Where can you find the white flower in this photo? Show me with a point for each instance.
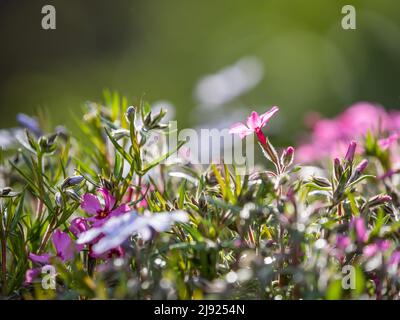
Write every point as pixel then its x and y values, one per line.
pixel 117 229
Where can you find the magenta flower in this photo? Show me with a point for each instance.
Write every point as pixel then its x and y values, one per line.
pixel 330 137
pixel 64 246
pixel 101 213
pixel 359 226
pixel 342 241
pixel 379 246
pixel 254 124
pixel 78 225
pixel 394 258
pixel 385 143
pixel 65 251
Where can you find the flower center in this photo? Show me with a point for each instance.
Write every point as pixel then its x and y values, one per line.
pixel 102 214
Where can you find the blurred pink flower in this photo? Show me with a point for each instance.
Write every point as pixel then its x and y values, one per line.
pixel 385 143
pixel 394 258
pixel 379 246
pixel 359 226
pixel 342 241
pixel 330 137
pixel 254 124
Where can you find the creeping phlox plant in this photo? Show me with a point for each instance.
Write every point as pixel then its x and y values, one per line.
pixel 103 211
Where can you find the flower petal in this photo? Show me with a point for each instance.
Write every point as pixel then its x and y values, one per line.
pixel 117 212
pixel 78 225
pixel 109 200
pixel 240 129
pixel 41 259
pixel 64 245
pixel 254 121
pixel 266 116
pixel 90 204
pixel 31 274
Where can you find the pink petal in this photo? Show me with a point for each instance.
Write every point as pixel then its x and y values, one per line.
pixel 90 204
pixel 31 274
pixel 254 121
pixel 387 142
pixel 342 242
pixel 370 250
pixel 64 245
pixel 41 259
pixel 241 129
pixel 120 210
pixel 266 116
pixel 78 225
pixel 109 200
pixel 117 212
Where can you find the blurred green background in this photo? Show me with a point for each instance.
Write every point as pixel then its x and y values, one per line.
pixel 161 49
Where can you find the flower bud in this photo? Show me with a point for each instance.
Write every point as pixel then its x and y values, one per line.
pixel 47 143
pixel 358 170
pixel 362 165
pixel 338 169
pixel 73 195
pixel 379 200
pixel 322 182
pixel 59 199
pixel 130 114
pixel 287 156
pixel 72 181
pixel 350 151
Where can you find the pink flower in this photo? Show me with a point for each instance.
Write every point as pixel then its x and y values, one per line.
pixel 361 231
pixel 65 251
pixel 379 246
pixel 254 124
pixel 101 213
pixel 102 209
pixel 31 275
pixel 385 143
pixel 78 225
pixel 330 137
pixel 342 242
pixel 395 258
pixel 64 246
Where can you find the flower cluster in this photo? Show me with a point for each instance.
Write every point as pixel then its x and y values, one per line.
pixel 330 137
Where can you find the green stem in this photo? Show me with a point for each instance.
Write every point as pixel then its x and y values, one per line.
pixel 4 265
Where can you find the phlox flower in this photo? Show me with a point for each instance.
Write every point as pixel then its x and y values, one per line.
pixel 65 251
pixel 330 137
pixel 254 124
pixel 102 208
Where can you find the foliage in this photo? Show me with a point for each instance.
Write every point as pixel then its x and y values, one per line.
pixel 281 234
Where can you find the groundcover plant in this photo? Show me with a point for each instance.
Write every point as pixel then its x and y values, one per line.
pixel 97 212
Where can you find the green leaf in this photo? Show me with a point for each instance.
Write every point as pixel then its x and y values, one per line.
pixel 334 290
pixel 163 157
